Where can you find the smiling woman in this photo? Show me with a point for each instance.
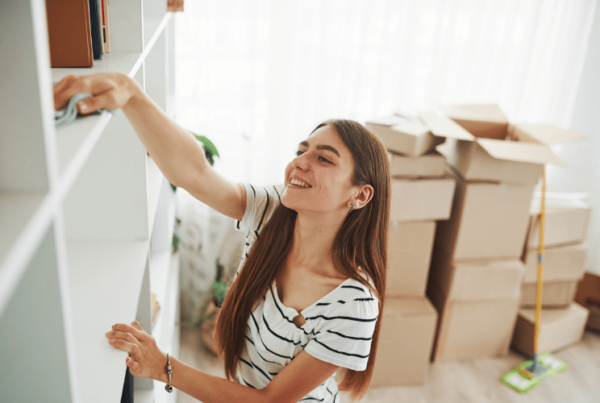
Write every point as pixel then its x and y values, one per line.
pixel 312 280
pixel 309 291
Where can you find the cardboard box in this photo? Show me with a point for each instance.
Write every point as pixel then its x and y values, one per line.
pixel 409 255
pixel 588 295
pixel 564 224
pixel 403 136
pixel 489 156
pixel 405 342
pixel 476 280
pixel 488 221
pixel 498 160
pixel 483 121
pixel 421 199
pixel 431 165
pixel 472 329
pixel 561 263
pixel 559 328
pixel 555 294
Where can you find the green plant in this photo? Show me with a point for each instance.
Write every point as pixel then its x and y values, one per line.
pixel 210 151
pixel 219 287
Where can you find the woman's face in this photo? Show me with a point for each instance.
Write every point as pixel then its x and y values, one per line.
pixel 325 164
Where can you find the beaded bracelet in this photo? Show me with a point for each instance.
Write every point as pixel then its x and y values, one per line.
pixel 168 386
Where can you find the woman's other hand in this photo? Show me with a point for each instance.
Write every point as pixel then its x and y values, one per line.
pixel 108 90
pixel 146 360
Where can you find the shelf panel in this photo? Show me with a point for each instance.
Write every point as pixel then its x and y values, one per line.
pixel 154 180
pixel 76 141
pixel 159 279
pixel 105 279
pixel 119 62
pixel 163 329
pixel 24 218
pixel 33 348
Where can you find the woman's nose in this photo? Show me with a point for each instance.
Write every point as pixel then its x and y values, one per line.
pixel 301 161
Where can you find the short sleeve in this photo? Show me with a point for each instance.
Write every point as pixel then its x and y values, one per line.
pixel 261 201
pixel 343 337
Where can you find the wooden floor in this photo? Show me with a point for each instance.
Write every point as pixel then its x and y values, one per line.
pixel 474 381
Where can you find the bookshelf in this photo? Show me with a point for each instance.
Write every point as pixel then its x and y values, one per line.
pixel 86 218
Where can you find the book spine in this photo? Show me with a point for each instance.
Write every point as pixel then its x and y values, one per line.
pixel 96 28
pixel 105 30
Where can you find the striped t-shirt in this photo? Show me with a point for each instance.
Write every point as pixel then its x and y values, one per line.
pixel 338 327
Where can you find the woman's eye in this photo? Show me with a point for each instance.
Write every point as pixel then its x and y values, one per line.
pixel 321 158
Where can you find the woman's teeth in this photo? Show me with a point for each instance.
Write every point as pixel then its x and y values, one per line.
pixel 299 183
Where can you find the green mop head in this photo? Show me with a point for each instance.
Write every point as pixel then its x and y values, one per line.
pixel 524 378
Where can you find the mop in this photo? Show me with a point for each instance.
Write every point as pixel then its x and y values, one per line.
pixel 529 374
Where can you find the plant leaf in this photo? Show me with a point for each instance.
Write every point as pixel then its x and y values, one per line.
pixel 208 144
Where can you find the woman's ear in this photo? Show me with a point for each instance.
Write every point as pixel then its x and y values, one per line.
pixel 363 196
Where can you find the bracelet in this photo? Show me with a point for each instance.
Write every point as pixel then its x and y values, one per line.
pixel 168 386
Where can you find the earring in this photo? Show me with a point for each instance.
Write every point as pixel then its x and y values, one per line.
pixel 351 208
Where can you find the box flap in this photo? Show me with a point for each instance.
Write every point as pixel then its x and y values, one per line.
pixel 413 128
pixel 387 120
pixel 551 315
pixel 519 151
pixel 443 127
pixel 544 134
pixel 480 113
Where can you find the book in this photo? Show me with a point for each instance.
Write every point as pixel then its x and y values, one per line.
pixel 96 27
pixel 105 30
pixel 69 33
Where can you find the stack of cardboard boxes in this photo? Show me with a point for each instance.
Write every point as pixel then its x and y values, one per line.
pixel 476 272
pixel 562 321
pixel 422 193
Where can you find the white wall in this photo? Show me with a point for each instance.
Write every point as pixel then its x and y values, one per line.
pixel 582 173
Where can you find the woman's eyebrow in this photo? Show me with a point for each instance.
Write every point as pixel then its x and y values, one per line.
pixel 322 147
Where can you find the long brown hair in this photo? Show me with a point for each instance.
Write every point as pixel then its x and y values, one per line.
pixel 360 241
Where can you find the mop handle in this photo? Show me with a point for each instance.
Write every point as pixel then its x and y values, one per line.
pixel 540 265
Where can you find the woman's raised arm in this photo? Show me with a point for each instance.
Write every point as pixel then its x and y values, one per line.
pixel 176 152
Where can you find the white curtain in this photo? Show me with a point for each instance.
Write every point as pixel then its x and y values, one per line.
pixel 256 76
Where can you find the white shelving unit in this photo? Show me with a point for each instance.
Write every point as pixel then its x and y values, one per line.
pixel 86 218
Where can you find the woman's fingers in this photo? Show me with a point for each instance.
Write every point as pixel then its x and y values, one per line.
pixel 134 366
pixel 122 327
pixel 146 359
pixel 137 325
pixel 108 90
pixel 107 100
pixel 128 347
pixel 126 336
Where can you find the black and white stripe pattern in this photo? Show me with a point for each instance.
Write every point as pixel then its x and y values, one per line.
pixel 338 329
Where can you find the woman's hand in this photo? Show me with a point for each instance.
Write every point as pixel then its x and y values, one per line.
pixel 108 90
pixel 146 360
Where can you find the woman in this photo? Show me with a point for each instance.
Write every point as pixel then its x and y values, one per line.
pixel 311 284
